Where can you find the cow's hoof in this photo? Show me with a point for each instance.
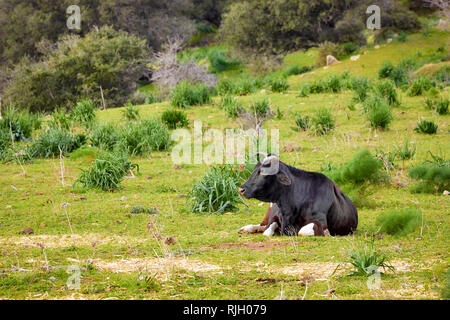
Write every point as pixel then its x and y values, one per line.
pixel 270 231
pixel 326 233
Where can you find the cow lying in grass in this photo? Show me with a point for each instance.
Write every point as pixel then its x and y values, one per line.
pixel 303 203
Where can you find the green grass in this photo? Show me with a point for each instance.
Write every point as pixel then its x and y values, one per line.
pixel 210 260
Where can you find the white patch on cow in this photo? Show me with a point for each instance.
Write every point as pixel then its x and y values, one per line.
pixel 271 204
pixel 307 230
pixel 270 231
pixel 251 228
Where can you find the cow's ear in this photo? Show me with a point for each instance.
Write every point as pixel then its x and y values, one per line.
pixel 284 179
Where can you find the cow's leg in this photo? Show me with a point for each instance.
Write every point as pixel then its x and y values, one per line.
pixel 307 230
pixel 270 231
pixel 252 228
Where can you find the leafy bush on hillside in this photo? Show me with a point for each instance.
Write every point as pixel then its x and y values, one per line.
pixel 386 89
pixel 260 108
pixel 329 48
pixel 296 69
pixel 174 119
pixel 279 85
pixel 105 137
pixel 420 86
pixel 433 176
pixel 399 222
pixel 84 112
pixel 107 171
pixel 145 136
pixel 55 141
pixel 185 95
pixel 60 119
pixel 360 86
pixel 439 105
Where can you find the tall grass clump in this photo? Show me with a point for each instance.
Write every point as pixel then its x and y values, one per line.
pixel 55 141
pixel 360 86
pixel 432 176
pixel 380 116
pixel 419 86
pixel 399 222
pixel 216 192
pixel 323 121
pixel 438 105
pixel 145 136
pixel 186 94
pixel 174 119
pixel 84 113
pixel 151 98
pixel 406 151
pixel 386 70
pixel 130 113
pixel 279 85
pixel 296 69
pixel 231 106
pixel 426 126
pixel 225 86
pixel 107 171
pixel 261 108
pixel 60 119
pixel 19 124
pixel 105 137
pixel 302 122
pixel 386 89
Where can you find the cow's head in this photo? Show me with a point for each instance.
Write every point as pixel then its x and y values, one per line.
pixel 269 179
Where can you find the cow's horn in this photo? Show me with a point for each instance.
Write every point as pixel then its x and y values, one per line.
pixel 268 159
pixel 261 153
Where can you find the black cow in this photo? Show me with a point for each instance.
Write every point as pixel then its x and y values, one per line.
pixel 303 198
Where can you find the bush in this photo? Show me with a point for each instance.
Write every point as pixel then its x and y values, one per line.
pixel 55 141
pixel 304 90
pixel 131 113
pixel 225 86
pixel 303 123
pixel 432 177
pixel 151 98
pixel 231 106
pixel 105 137
pixel 379 115
pixel 399 223
pixel 362 168
pixel 349 47
pixel 19 125
pixel 295 70
pixel 145 136
pixel 107 171
pixel 186 94
pixel 333 83
pixel 386 89
pixel 402 36
pixel 60 119
pixel 386 70
pixel 279 85
pixel 360 86
pixel 174 119
pixel 216 192
pixel 84 113
pixel 79 67
pixel 426 126
pixel 441 106
pixel 260 108
pixel 420 86
pixel 323 121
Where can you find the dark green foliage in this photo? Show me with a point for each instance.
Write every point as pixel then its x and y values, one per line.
pixel 426 126
pixel 145 136
pixel 443 74
pixel 360 86
pixel 349 47
pixel 380 116
pixel 141 209
pixel 217 191
pixel 399 222
pixel 107 171
pixel 420 86
pixel 386 70
pixel 55 141
pixel 323 121
pixel 5 142
pixel 386 89
pixel 438 105
pixel 279 85
pixel 105 137
pixel 186 94
pixel 225 86
pixel 362 168
pixel 219 61
pixel 433 177
pixel 78 67
pixel 296 69
pixel 402 36
pixel 84 113
pixel 174 119
pixel 131 113
pixel 260 108
pixel 303 91
pixel 19 124
pixel 397 74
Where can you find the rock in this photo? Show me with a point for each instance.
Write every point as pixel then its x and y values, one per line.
pixel 389 40
pixel 38 193
pixel 446 192
pixel 170 240
pixel 329 292
pixel 331 60
pixel 377 46
pixel 354 58
pixel 52 278
pixel 290 148
pixel 27 231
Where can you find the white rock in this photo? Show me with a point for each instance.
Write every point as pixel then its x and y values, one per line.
pixel 354 58
pixel 331 60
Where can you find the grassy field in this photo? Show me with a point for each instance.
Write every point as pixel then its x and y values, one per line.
pixel 120 256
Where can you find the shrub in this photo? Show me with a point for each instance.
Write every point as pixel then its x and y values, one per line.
pixel 386 70
pixel 432 177
pixel 105 137
pixel 231 106
pixel 380 116
pixel 60 119
pixel 5 141
pixel 261 108
pixel 19 124
pixel 84 112
pixel 360 86
pixel 367 260
pixel 304 90
pixel 279 85
pixel 303 123
pixel 349 47
pixel 174 119
pixel 426 126
pixel 402 36
pixel 55 141
pixel 406 151
pixel 225 86
pixel 441 106
pixel 399 223
pixel 151 98
pixel 323 121
pixel 216 192
pixel 186 94
pixel 131 113
pixel 107 171
pixel 295 70
pixel 363 167
pixel 145 136
pixel 419 86
pixel 386 89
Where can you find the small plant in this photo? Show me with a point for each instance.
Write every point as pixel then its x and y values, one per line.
pixel 303 91
pixel 174 119
pixel 60 119
pixel 380 116
pixel 231 106
pixel 105 137
pixel 131 113
pixel 140 209
pixel 107 171
pixel 279 85
pixel 323 121
pixel 386 89
pixel 333 83
pixel 216 192
pixel 406 151
pixel 225 87
pixel 151 98
pixel 261 108
pixel 19 125
pixel 387 159
pixel 145 136
pixel 402 36
pixel 186 94
pixel 84 113
pixel 55 141
pixel 386 70
pixel 426 126
pixel 433 176
pixel 279 114
pixel 420 86
pixel 360 86
pixel 400 222
pixel 303 123
pixel 367 260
